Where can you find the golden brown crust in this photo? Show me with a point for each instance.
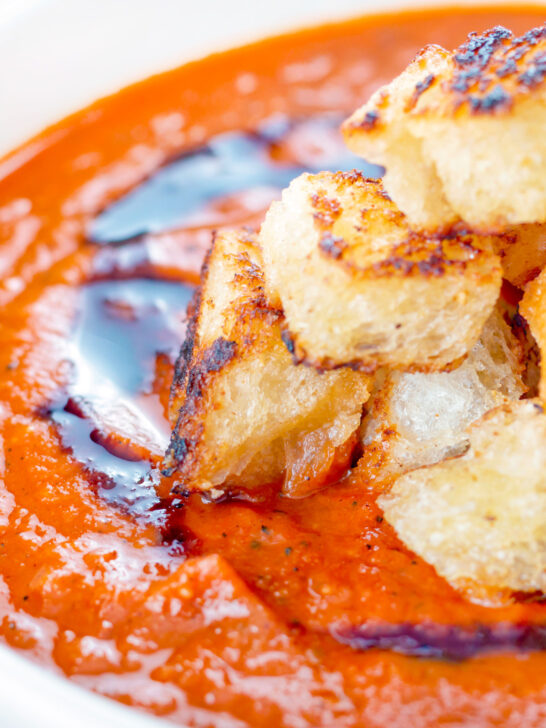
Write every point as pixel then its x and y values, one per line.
pixel 533 308
pixel 461 134
pixel 240 408
pixel 413 254
pixel 252 306
pixel 485 75
pixel 427 71
pixel 522 250
pixel 199 364
pixel 359 288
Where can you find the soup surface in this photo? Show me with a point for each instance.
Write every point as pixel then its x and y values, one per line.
pixel 278 612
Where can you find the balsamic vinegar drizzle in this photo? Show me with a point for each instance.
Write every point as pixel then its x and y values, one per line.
pixel 182 192
pixel 440 641
pixel 121 328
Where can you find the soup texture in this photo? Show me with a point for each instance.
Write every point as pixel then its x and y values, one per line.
pixel 274 611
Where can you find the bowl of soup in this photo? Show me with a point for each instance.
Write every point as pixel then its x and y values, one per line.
pixel 133 132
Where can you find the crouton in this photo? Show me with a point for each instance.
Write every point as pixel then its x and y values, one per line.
pixel 533 308
pixel 522 250
pixel 480 519
pixel 359 288
pixel 461 134
pixel 421 419
pixel 242 411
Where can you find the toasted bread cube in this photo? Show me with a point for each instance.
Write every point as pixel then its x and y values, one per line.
pixel 359 288
pixel 480 519
pixel 522 250
pixel 461 134
pixel 420 419
pixel 533 308
pixel 241 409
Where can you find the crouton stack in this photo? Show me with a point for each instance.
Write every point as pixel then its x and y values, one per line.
pixel 371 317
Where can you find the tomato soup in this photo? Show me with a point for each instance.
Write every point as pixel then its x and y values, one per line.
pixel 271 612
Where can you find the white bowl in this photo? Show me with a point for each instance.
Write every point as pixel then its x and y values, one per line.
pixel 109 44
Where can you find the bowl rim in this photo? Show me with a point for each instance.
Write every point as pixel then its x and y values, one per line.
pixel 31 694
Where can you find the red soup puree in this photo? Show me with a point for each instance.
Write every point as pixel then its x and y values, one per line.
pixel 277 612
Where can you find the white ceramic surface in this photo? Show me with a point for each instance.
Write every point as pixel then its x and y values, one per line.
pixel 57 56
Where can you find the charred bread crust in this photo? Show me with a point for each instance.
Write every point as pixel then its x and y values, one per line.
pixel 184 357
pixel 461 133
pixel 339 255
pixel 196 370
pixel 485 75
pixel 415 254
pixel 241 410
pixel 188 428
pixel 492 69
pixel 533 308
